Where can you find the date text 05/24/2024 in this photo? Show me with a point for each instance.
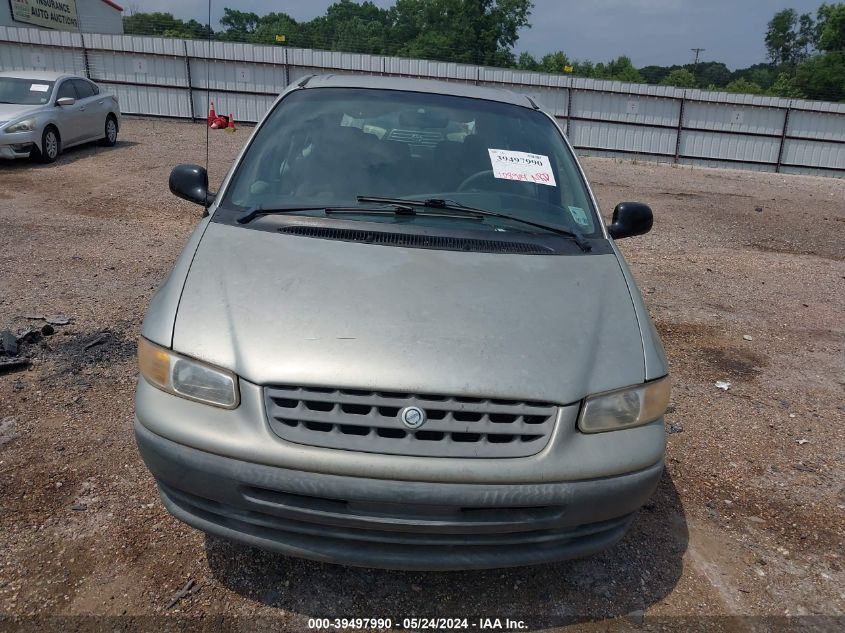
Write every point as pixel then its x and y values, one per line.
pixel 418 624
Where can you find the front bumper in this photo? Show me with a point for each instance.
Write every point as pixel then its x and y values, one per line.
pixel 19 144
pixel 17 150
pixel 389 523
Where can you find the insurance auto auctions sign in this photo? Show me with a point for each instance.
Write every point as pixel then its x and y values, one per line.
pixel 48 14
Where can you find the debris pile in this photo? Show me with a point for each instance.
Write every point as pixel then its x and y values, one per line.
pixel 12 344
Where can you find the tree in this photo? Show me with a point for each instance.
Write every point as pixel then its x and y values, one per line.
pixel 806 38
pixel 619 69
pixel 164 25
pixel 655 74
pixel 744 86
pixel 785 86
pixel 476 31
pixel 830 29
pixel 789 37
pixel 238 25
pixel 554 63
pixel 780 36
pixel 823 77
pixel 584 68
pixel 526 61
pixel 715 73
pixel 273 24
pixel 763 75
pixel 349 26
pixel 680 78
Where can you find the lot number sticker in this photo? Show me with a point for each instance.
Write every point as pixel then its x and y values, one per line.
pixel 508 165
pixel 39 88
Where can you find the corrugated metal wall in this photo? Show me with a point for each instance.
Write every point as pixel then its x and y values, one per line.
pixel 175 78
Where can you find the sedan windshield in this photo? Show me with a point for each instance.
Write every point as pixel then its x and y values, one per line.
pixel 24 91
pixel 325 147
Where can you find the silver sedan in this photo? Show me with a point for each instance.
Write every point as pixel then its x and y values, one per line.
pixel 44 113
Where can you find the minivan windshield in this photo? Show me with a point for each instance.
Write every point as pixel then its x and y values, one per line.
pixel 24 91
pixel 324 147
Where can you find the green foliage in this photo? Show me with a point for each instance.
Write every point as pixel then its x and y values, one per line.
pixel 481 31
pixel 744 86
pixel 239 26
pixel 786 86
pixel 764 75
pixel 273 24
pixel 619 69
pixel 164 25
pixel 584 68
pixel 655 74
pixel 527 61
pixel 554 63
pixel 781 37
pixel 830 28
pixel 790 38
pixel 680 78
pixel 823 77
pixel 715 73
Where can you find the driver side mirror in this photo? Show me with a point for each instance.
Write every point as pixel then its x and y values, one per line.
pixel 65 101
pixel 190 182
pixel 629 219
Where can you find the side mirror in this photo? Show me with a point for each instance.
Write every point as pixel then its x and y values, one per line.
pixel 190 182
pixel 65 101
pixel 629 219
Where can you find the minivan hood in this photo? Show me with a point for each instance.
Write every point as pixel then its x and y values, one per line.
pixel 284 309
pixel 11 111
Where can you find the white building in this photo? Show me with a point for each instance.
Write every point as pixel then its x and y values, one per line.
pixel 87 16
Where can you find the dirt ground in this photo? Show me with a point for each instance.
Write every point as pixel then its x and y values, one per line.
pixel 744 274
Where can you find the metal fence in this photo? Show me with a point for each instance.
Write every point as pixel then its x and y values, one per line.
pixel 175 78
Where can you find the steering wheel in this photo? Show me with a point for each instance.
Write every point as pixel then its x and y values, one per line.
pixel 485 173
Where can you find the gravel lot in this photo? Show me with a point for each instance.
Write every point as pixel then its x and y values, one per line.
pixel 744 274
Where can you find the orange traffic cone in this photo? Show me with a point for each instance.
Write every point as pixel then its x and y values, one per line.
pixel 212 115
pixel 231 127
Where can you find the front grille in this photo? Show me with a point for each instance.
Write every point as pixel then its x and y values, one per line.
pixel 370 422
pixel 412 240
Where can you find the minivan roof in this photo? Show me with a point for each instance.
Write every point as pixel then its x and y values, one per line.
pixel 412 84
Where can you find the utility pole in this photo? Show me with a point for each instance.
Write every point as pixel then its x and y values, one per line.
pixel 697 52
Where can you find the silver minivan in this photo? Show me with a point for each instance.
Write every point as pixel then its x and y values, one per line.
pixel 402 337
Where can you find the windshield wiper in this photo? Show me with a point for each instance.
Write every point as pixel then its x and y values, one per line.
pixel 253 212
pixel 389 208
pixel 452 205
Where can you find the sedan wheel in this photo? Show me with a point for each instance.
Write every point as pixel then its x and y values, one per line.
pixel 110 137
pixel 49 146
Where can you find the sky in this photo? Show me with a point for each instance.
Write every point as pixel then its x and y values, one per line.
pixel 659 32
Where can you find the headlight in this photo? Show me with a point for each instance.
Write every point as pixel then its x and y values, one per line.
pixel 27 125
pixel 187 377
pixel 625 408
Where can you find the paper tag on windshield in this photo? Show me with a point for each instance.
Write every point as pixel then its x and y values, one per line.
pixel 509 165
pixel 39 88
pixel 579 216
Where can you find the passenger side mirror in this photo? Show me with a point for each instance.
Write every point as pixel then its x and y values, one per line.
pixel 629 219
pixel 190 182
pixel 65 101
